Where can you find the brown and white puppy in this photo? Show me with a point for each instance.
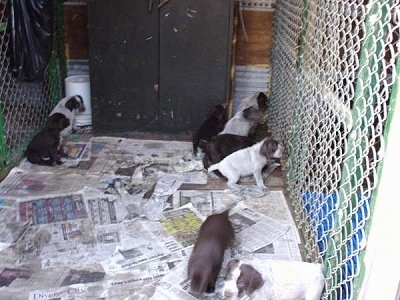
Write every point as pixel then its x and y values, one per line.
pixel 243 122
pixel 273 279
pixel 215 235
pixel 257 100
pixel 220 146
pixel 248 161
pixel 45 146
pixel 214 123
pixel 239 278
pixel 69 107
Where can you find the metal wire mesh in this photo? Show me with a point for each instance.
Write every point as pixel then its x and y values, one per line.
pixel 332 74
pixel 287 23
pixel 24 106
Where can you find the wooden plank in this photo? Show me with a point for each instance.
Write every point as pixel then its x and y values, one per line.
pixel 75 30
pixel 257 50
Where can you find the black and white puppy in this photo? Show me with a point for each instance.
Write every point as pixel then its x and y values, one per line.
pixel 257 100
pixel 215 235
pixel 69 107
pixel 45 146
pixel 248 161
pixel 273 279
pixel 243 122
pixel 214 123
pixel 220 146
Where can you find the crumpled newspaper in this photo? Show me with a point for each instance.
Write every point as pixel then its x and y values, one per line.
pixel 186 163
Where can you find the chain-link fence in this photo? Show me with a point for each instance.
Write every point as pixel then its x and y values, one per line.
pixel 333 70
pixel 25 105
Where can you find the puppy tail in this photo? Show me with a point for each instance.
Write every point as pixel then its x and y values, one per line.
pixel 212 168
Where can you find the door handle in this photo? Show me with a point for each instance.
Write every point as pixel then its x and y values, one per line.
pixel 149 5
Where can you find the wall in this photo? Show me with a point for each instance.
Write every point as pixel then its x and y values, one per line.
pixel 252 49
pixel 76 37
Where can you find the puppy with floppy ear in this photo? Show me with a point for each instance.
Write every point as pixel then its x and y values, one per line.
pixel 249 279
pixel 259 101
pixel 44 147
pixel 273 279
pixel 243 122
pixel 240 278
pixel 69 107
pixel 214 123
pixel 248 161
pixel 215 235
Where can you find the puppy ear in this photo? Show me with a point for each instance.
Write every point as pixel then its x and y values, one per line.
pixel 62 122
pixel 203 144
pixel 218 112
pixel 71 103
pixel 247 112
pixel 262 101
pixel 53 121
pixel 249 280
pixel 65 123
pixel 268 148
pixel 252 114
pixel 232 264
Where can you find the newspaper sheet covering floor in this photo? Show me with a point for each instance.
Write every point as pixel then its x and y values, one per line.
pixel 113 222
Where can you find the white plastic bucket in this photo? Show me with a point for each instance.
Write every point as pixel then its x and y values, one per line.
pixel 80 85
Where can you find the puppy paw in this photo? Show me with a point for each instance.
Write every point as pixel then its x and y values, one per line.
pixel 238 189
pixel 262 191
pixel 210 289
pixel 62 152
pixel 253 191
pixel 250 191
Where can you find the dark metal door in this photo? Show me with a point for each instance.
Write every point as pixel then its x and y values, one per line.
pixel 195 60
pixel 123 51
pixel 158 69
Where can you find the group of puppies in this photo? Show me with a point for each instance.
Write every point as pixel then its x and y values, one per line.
pixel 259 280
pixel 228 146
pixel 45 147
pixel 229 149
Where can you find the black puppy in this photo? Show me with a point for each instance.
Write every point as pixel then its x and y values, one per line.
pixel 222 145
pixel 214 124
pixel 44 147
pixel 215 235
